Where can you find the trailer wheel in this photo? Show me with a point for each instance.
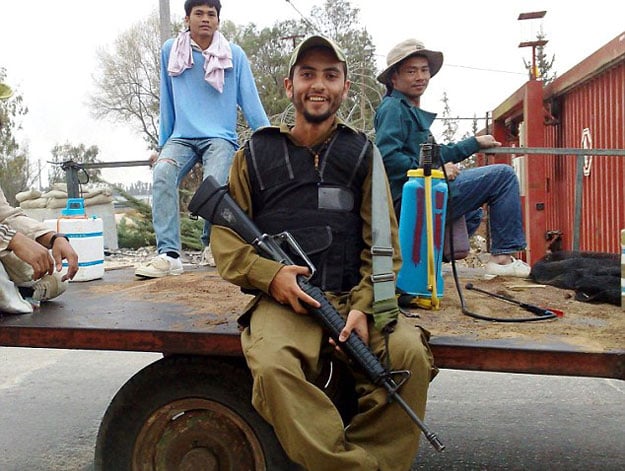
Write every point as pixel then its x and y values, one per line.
pixel 187 413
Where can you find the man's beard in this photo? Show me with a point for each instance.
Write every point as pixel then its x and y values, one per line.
pixel 317 118
pixel 314 118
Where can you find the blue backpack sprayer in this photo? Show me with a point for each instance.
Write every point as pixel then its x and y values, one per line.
pixel 422 239
pixel 422 232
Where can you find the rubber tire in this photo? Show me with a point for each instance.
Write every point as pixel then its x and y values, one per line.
pixel 148 394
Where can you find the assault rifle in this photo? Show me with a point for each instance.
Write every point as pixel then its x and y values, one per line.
pixel 214 203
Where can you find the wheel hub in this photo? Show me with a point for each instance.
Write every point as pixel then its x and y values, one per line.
pixel 195 433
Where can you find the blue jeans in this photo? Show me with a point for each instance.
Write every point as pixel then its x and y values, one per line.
pixel 498 187
pixel 472 219
pixel 175 161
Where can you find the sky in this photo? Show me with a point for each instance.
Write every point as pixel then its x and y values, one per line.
pixel 49 50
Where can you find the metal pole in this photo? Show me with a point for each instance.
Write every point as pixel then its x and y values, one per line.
pixel 579 193
pixel 165 18
pixel 552 151
pixel 71 176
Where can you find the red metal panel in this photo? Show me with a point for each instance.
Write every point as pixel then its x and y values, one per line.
pixel 598 105
pixel 591 95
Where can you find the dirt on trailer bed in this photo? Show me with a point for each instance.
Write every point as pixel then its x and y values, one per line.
pixel 591 327
pixel 201 290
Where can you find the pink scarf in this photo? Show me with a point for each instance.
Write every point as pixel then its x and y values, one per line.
pixel 217 58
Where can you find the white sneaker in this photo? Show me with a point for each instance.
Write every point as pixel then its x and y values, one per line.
pixel 160 266
pixel 48 287
pixel 207 258
pixel 518 268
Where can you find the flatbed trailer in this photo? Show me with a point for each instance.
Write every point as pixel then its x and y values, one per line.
pixel 191 409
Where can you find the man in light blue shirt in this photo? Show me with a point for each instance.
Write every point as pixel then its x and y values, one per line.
pixel 204 81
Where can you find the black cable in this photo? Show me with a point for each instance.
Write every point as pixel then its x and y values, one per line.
pixel 454 270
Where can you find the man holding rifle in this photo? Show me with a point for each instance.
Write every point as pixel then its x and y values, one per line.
pixel 315 181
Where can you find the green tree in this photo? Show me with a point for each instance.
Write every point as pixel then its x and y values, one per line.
pixel 268 50
pixel 471 161
pixel 450 124
pixel 337 19
pixel 127 80
pixel 76 153
pixel 15 170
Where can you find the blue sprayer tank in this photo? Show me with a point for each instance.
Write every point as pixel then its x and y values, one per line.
pixel 413 237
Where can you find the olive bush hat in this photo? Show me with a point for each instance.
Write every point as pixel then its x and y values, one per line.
pixel 5 91
pixel 316 41
pixel 405 49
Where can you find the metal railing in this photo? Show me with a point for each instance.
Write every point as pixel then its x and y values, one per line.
pixel 552 151
pixel 72 168
pixel 573 151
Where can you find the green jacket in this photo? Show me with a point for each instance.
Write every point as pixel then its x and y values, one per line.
pixel 401 128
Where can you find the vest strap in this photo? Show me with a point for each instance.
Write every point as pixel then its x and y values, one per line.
pixel 385 307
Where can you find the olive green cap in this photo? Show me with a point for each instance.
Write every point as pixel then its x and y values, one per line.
pixel 316 41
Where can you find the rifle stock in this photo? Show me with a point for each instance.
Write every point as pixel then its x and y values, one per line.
pixel 214 203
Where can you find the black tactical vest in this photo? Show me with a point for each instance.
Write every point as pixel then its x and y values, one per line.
pixel 319 206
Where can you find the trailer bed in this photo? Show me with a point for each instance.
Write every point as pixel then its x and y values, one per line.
pixel 120 312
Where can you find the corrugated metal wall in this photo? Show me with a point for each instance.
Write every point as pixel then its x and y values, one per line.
pixel 595 109
pixel 588 100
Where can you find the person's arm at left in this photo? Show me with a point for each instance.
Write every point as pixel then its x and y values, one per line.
pixel 36 253
pixel 29 240
pixel 32 253
pixel 61 250
pixel 247 93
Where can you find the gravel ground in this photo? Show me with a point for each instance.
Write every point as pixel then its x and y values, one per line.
pixel 123 258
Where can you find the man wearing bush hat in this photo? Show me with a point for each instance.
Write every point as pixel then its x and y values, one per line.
pixel 408 48
pixel 402 126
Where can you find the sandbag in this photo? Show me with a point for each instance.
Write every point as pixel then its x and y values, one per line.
pixel 98 199
pixel 27 195
pixel 60 186
pixel 36 203
pixel 55 203
pixel 58 194
pixel 97 192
